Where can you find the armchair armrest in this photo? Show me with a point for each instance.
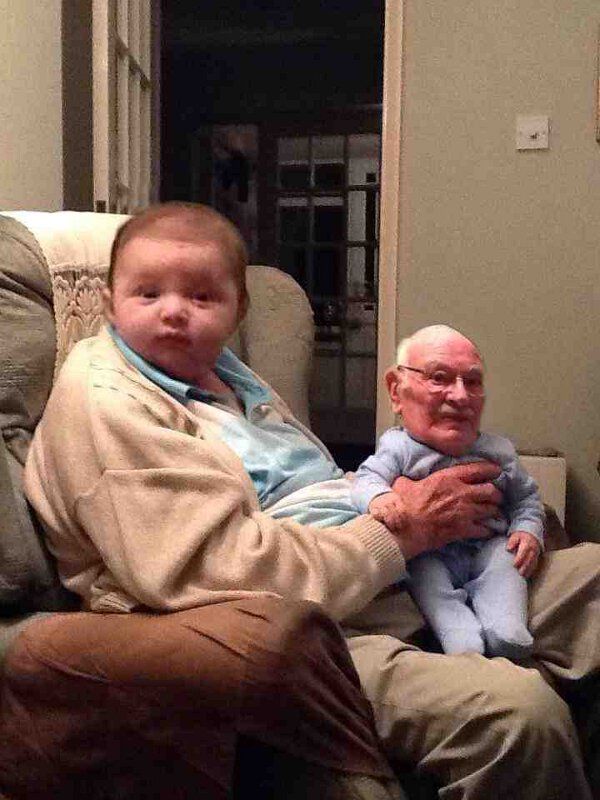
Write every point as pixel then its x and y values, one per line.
pixel 556 537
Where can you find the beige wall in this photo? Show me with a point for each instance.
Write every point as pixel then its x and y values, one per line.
pixel 503 244
pixel 31 105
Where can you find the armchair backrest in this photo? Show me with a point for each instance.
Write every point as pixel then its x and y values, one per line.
pixel 53 267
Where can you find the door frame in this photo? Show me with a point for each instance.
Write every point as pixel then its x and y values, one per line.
pixel 390 209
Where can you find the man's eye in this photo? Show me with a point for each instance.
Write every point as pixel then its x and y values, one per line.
pixel 473 381
pixel 441 378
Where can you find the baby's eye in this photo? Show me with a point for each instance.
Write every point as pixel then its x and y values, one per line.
pixel 148 294
pixel 201 297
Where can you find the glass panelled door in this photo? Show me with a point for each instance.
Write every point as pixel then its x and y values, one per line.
pixel 327 210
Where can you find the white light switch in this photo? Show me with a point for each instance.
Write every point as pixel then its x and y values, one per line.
pixel 532 133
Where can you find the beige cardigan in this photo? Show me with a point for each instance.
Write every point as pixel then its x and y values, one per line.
pixel 144 506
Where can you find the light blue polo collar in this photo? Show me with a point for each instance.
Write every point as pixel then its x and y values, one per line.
pixel 228 367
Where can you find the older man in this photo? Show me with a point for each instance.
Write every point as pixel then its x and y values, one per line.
pixel 466 719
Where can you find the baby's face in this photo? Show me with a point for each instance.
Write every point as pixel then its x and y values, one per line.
pixel 441 408
pixel 175 302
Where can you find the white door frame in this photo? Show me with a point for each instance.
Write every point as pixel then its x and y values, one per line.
pixel 125 97
pixel 389 232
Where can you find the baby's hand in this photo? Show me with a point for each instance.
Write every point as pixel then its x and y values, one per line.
pixel 388 508
pixel 528 551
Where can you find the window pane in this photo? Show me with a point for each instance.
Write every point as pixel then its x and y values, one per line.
pixel 293 223
pixel 329 176
pixel 326 271
pixel 328 315
pixel 134 139
pixel 326 381
pixel 294 176
pixel 134 29
pixel 145 146
pixel 362 216
pixel 123 21
pixel 293 261
pixel 294 170
pixel 328 148
pixel 292 150
pixel 363 158
pixel 328 219
pixel 356 216
pixel 123 120
pixel 361 335
pixel 361 376
pixel 356 271
pixel 361 270
pixel 145 37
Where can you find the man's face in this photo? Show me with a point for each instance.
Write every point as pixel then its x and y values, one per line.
pixel 443 407
pixel 175 302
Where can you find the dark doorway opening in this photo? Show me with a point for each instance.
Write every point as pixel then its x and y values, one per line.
pixel 245 87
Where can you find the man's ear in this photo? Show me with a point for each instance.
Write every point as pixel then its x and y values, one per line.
pixel 107 304
pixel 394 386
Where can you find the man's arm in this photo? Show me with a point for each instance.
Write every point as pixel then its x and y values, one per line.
pixel 136 501
pixel 174 519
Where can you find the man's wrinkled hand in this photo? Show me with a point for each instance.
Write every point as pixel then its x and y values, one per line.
pixel 448 505
pixel 388 508
pixel 527 551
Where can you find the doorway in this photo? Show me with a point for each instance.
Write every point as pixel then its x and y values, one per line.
pixel 302 85
pixel 320 224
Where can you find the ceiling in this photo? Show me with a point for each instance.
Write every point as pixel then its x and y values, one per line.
pixel 191 24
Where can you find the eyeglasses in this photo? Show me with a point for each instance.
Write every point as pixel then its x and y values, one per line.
pixel 440 380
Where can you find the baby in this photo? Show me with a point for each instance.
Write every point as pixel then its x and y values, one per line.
pixel 472 592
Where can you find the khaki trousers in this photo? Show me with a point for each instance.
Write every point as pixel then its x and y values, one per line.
pixel 144 706
pixel 485 728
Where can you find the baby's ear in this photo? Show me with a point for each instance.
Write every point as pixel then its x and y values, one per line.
pixel 107 304
pixel 243 306
pixel 393 382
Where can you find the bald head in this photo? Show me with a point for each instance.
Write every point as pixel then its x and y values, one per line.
pixel 430 336
pixel 437 386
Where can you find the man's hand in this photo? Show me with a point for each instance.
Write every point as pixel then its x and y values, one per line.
pixel 447 505
pixel 527 553
pixel 389 509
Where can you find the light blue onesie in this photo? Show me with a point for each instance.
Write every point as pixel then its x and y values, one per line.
pixel 469 591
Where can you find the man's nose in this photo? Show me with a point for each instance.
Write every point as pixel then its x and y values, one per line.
pixel 457 391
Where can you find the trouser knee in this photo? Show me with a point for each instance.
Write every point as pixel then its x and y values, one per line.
pixel 528 710
pixel 297 632
pixel 305 687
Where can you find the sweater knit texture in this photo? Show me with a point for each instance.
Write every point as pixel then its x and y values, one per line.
pixel 144 506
